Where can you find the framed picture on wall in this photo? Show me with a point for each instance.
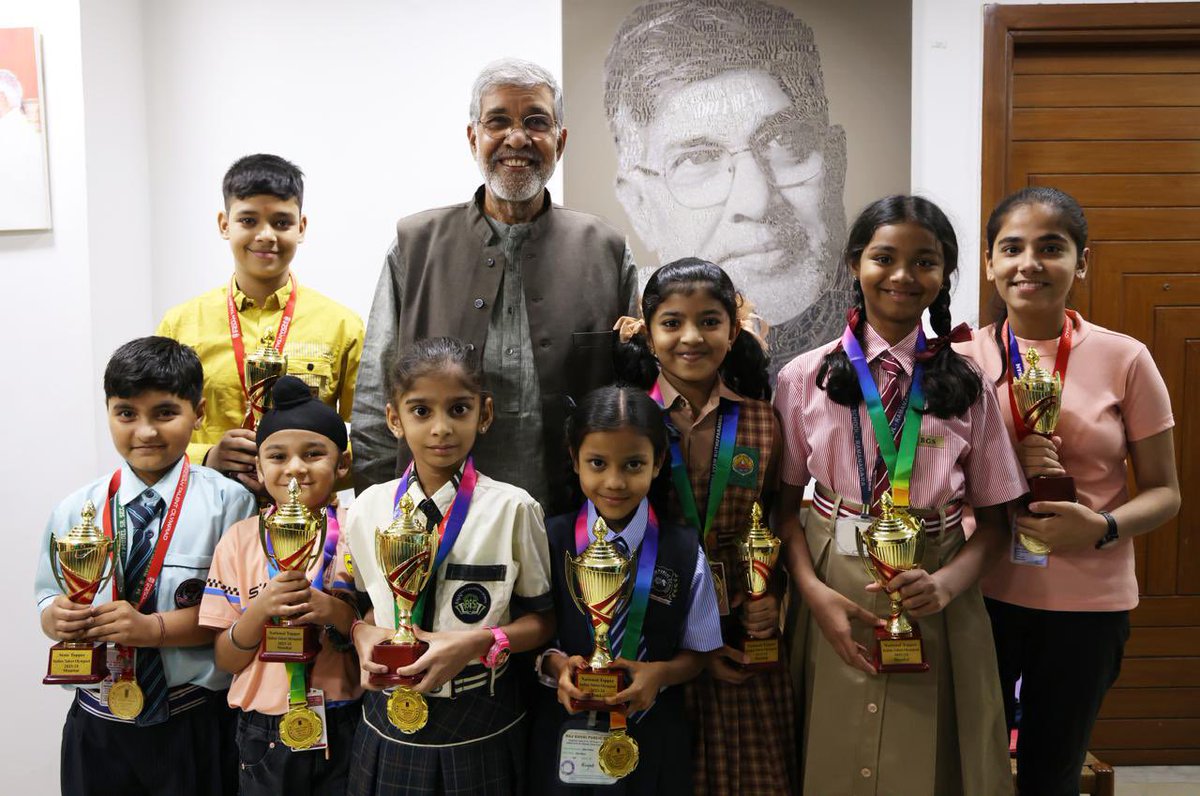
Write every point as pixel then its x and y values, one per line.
pixel 24 178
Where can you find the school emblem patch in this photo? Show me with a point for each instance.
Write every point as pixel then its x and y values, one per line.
pixel 471 603
pixel 744 468
pixel 189 593
pixel 664 586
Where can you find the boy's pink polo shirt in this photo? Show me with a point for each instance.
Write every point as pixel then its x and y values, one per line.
pixel 239 571
pixel 1113 395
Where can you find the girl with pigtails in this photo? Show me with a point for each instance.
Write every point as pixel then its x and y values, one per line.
pixel 942 447
pixel 698 350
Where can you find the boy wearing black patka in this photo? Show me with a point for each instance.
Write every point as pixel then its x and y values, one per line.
pixel 165 516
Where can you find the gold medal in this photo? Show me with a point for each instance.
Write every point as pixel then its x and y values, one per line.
pixel 618 754
pixel 407 710
pixel 1035 546
pixel 125 699
pixel 300 728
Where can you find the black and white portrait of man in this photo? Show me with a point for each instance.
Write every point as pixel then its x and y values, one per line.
pixel 718 114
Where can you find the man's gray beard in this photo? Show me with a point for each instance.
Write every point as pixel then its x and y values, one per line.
pixel 519 189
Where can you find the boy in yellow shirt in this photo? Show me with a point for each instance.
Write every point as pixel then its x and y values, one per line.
pixel 264 223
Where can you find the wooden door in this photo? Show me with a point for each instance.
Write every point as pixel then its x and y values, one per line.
pixel 1104 103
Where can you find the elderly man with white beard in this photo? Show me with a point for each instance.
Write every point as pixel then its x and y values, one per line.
pixel 532 287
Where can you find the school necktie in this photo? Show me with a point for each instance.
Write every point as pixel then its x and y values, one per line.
pixel 433 516
pixel 616 632
pixel 150 675
pixel 889 395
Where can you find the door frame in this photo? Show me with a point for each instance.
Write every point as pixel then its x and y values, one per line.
pixel 1004 26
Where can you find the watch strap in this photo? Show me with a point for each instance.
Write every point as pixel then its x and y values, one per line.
pixel 1111 534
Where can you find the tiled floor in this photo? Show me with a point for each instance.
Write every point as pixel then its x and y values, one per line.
pixel 1158 780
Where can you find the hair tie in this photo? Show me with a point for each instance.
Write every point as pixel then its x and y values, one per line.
pixel 751 322
pixel 627 328
pixel 959 334
pixel 853 317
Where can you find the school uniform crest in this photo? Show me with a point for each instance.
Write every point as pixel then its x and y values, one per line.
pixel 189 593
pixel 744 467
pixel 471 603
pixel 664 586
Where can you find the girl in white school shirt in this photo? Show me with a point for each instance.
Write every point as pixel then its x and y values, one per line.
pixel 492 559
pixel 935 732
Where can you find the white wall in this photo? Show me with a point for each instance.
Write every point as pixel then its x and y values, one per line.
pixel 947 100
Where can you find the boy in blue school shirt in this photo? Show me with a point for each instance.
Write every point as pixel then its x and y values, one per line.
pixel 181 741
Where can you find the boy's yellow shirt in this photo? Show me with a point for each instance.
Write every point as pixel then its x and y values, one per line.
pixel 324 345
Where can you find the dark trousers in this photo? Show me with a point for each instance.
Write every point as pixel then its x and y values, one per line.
pixel 267 767
pixel 180 757
pixel 1067 660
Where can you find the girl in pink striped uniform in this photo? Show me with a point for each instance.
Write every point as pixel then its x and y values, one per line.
pixel 940 731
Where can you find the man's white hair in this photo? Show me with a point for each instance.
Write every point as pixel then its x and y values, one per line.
pixel 514 72
pixel 10 87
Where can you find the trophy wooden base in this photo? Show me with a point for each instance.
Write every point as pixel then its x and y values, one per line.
pixel 285 643
pixel 396 656
pixel 600 683
pixel 1052 487
pixel 762 652
pixel 899 654
pixel 77 663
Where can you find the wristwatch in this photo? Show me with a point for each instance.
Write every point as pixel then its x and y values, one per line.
pixel 498 653
pixel 1110 535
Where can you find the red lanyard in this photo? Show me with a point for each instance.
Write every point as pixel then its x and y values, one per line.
pixel 1060 366
pixel 165 532
pixel 235 330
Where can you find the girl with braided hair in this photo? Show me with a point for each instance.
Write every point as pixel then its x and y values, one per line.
pixel 941 446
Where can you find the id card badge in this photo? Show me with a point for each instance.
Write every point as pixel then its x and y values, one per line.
pixel 721 585
pixel 1019 555
pixel 579 753
pixel 846 533
pixel 316 703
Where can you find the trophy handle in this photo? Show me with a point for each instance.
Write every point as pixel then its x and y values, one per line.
pixel 54 566
pixel 109 567
pixel 267 549
pixel 319 548
pixel 865 557
pixel 572 586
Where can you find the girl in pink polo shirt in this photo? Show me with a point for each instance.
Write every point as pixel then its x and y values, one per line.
pixel 1060 620
pixel 939 731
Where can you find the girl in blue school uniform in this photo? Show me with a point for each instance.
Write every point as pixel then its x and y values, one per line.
pixel 662 634
pixel 489 595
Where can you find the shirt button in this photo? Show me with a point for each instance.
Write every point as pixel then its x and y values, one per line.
pixel 872 708
pixel 470 346
pixel 510 351
pixel 480 303
pixel 545 344
pixel 866 772
pixel 491 262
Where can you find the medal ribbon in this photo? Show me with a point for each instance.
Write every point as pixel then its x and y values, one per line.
pixel 899 463
pixel 235 331
pixel 448 529
pixel 722 466
pixel 1017 366
pixel 647 556
pixel 165 532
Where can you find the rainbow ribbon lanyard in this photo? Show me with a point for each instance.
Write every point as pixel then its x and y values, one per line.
pixel 722 466
pixel 298 672
pixel 899 463
pixel 647 557
pixel 1017 369
pixel 448 530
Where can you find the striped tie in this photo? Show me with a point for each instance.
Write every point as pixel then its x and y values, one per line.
pixel 889 395
pixel 616 632
pixel 150 674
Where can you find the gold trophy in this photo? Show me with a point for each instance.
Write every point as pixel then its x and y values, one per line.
pixel 292 538
pixel 81 563
pixel 264 366
pixel 406 554
pixel 894 543
pixel 600 581
pixel 758 551
pixel 1038 394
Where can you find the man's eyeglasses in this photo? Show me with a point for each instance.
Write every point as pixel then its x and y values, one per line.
pixel 537 126
pixel 788 151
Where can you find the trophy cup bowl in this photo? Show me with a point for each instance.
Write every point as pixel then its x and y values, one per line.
pixel 758 552
pixel 292 539
pixel 1038 395
pixel 263 368
pixel 406 554
pixel 81 562
pixel 599 580
pixel 894 543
